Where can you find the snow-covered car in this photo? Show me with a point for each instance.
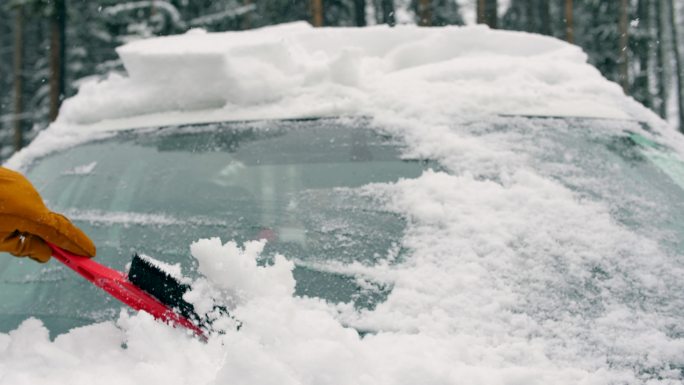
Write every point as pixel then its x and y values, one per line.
pixel 392 205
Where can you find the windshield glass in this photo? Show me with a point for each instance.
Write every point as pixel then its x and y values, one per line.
pixel 293 183
pixel 640 183
pixel 300 184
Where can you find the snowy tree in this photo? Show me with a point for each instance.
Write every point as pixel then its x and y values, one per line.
pixel 385 12
pixel 630 42
pixel 339 13
pixel 641 43
pixel 678 65
pixel 142 19
pixel 437 12
pixel 487 12
pixel 30 73
pixel 528 15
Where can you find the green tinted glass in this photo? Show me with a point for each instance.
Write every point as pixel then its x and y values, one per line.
pixel 155 192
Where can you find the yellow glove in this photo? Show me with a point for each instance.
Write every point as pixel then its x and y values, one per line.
pixel 26 224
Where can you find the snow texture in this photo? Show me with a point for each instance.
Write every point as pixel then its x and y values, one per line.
pixel 294 70
pixel 494 245
pixel 173 270
pixel 85 169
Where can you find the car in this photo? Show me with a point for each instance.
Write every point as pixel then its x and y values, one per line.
pixel 494 204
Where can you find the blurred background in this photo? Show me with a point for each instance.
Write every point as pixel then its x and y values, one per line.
pixel 49 47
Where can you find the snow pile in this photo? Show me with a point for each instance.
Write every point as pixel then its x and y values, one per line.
pixel 299 70
pixel 293 70
pixel 434 332
pixel 235 275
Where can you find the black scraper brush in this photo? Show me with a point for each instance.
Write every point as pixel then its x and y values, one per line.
pixel 146 287
pixel 162 286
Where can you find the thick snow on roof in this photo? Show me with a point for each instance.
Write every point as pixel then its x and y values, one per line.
pixel 445 74
pixel 294 70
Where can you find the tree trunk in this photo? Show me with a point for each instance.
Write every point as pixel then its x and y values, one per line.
pixel 360 13
pixel 57 53
pixel 531 16
pixel 18 77
pixel 317 13
pixel 569 22
pixel 387 12
pixel 660 60
pixel 641 89
pixel 678 64
pixel 545 15
pixel 425 13
pixel 623 69
pixel 246 22
pixel 487 12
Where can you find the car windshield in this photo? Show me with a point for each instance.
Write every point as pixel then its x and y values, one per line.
pixel 610 161
pixel 297 184
pixel 303 186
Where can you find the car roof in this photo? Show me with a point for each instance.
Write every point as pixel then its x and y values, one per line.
pixel 294 70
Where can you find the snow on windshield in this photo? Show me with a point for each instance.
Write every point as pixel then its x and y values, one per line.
pixel 495 245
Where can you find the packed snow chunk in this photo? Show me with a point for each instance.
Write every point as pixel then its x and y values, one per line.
pixel 235 271
pixel 295 70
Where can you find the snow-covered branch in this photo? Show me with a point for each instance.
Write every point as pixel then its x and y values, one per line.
pixel 216 17
pixel 167 7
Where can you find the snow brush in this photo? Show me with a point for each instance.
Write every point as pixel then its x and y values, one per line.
pixel 146 288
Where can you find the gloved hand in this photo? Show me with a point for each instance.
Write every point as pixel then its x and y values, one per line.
pixel 26 224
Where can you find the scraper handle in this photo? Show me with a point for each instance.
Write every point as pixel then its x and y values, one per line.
pixel 118 286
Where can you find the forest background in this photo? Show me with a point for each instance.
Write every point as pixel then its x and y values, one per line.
pixel 49 47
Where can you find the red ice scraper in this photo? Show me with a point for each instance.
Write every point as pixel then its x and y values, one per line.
pixel 127 288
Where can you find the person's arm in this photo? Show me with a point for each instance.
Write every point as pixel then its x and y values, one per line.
pixel 26 224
